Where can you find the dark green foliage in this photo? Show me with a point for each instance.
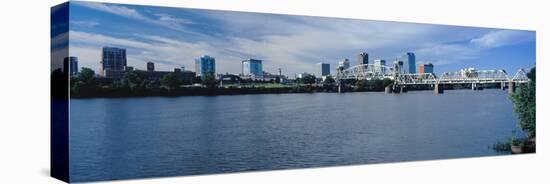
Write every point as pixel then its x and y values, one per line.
pixel 514 141
pixel 134 80
pixel 329 81
pixel 86 75
pixel 209 81
pixel 84 83
pixel 329 84
pixel 372 85
pixel 170 81
pixel 532 74
pixel 308 79
pixel 525 104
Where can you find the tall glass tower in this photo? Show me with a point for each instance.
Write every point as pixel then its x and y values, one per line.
pixel 324 70
pixel 252 67
pixel 362 58
pixel 113 59
pixel 205 66
pixel 409 62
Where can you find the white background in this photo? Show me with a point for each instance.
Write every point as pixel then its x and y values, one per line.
pixel 24 94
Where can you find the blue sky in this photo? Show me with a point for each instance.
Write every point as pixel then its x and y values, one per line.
pixel 174 37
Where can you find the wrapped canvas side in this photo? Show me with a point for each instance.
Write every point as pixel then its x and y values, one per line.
pixel 59 97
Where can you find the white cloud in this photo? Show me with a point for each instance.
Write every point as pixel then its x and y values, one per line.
pixel 87 23
pixel 447 53
pixel 163 20
pixel 167 53
pixel 293 43
pixel 442 53
pixel 502 38
pixel 300 42
pixel 170 19
pixel 115 9
pixel 98 39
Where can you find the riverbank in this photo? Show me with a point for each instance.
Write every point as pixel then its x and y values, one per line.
pixel 191 91
pixel 203 91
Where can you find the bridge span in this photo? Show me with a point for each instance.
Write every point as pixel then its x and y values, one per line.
pixel 475 78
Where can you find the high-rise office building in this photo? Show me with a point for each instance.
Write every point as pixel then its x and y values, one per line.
pixel 204 66
pixel 426 68
pixel 150 66
pixel 252 68
pixel 70 65
pixel 379 65
pixel 113 62
pixel 362 58
pixel 409 62
pixel 324 69
pixel 398 66
pixel 344 64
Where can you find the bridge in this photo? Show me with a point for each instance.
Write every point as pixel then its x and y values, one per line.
pixel 476 78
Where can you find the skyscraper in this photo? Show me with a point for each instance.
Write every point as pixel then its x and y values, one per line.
pixel 426 68
pixel 150 66
pixel 252 68
pixel 205 66
pixel 398 66
pixel 409 62
pixel 113 61
pixel 344 64
pixel 70 65
pixel 324 69
pixel 379 65
pixel 362 58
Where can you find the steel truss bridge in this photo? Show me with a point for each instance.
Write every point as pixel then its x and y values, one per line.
pixel 465 76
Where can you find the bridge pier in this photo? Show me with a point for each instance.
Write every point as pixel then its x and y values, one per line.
pixel 438 89
pixel 403 89
pixel 511 87
pixel 388 89
pixel 503 86
pixel 396 88
pixel 476 86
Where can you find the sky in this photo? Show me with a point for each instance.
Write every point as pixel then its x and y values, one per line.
pixel 174 37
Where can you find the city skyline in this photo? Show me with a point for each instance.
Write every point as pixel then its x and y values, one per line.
pixel 294 43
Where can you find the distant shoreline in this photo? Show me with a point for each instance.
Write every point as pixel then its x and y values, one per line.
pixel 200 91
pixel 197 91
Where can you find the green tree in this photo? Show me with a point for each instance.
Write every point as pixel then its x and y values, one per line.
pixel 86 75
pixel 170 81
pixel 134 79
pixel 362 85
pixel 84 83
pixel 525 104
pixel 372 85
pixel 386 82
pixel 307 79
pixel 329 81
pixel 209 80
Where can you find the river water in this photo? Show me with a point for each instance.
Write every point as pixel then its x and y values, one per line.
pixel 124 138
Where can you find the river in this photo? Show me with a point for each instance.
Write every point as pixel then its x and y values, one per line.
pixel 124 138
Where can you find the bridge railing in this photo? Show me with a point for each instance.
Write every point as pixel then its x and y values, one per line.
pixel 366 72
pixel 416 78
